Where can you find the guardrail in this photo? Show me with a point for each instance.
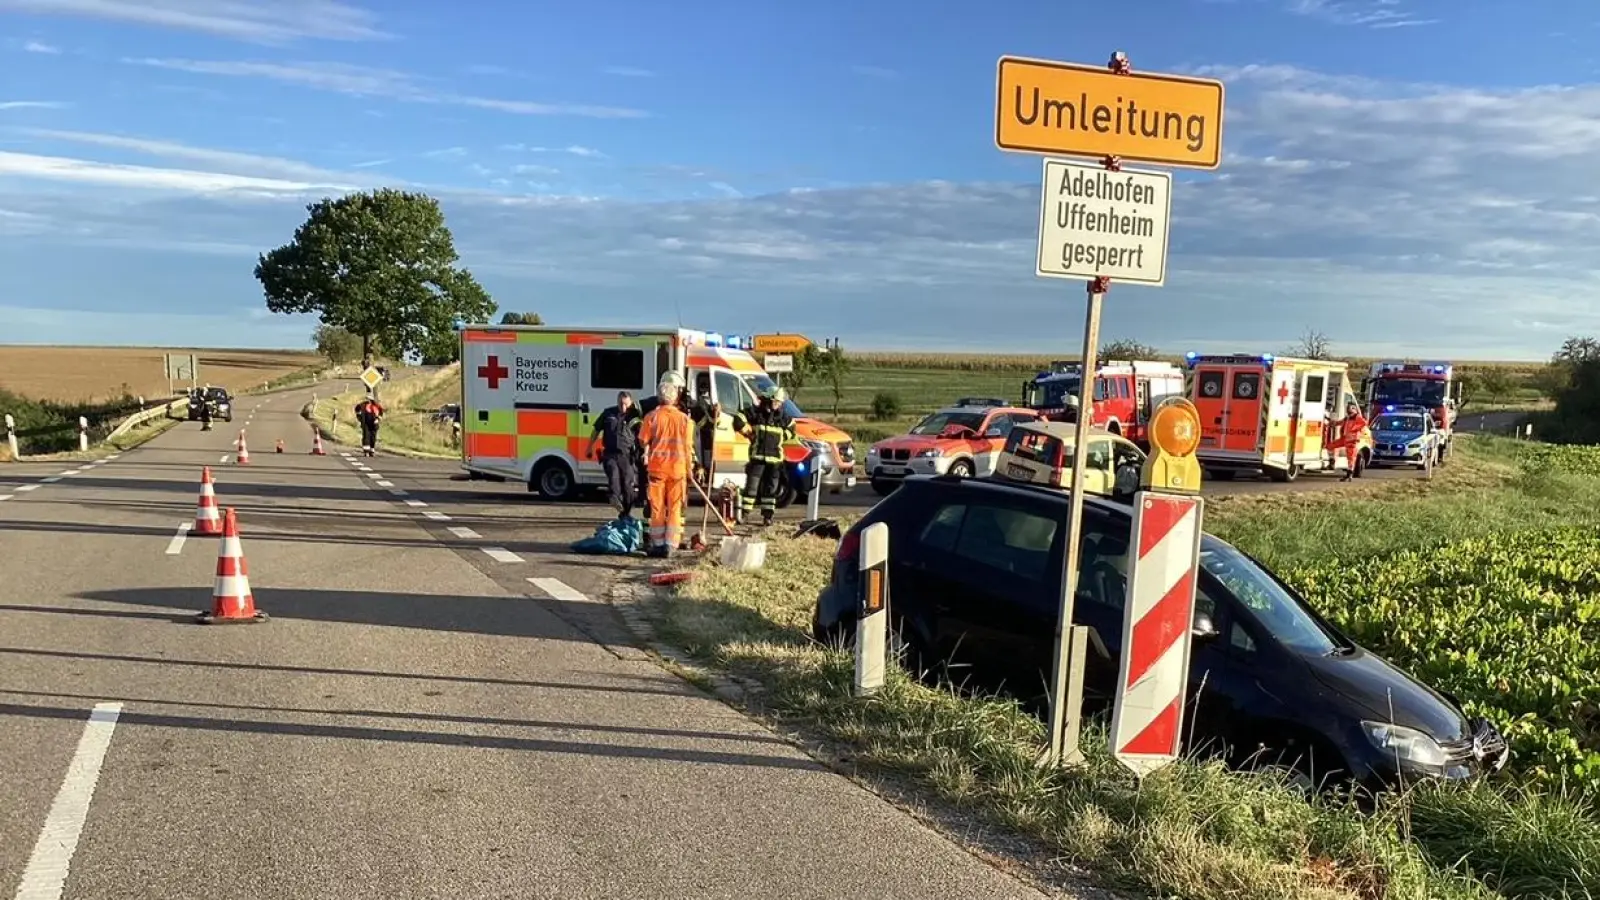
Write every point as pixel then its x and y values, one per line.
pixel 139 418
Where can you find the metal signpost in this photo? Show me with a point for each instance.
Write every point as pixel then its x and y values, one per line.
pixel 1099 224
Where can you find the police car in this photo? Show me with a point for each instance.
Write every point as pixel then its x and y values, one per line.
pixel 1406 436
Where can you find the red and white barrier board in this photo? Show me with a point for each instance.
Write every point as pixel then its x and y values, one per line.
pixel 1147 717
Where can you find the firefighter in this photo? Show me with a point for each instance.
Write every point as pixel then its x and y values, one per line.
pixel 1350 439
pixel 205 410
pixel 369 413
pixel 667 441
pixel 768 427
pixel 705 413
pixel 618 426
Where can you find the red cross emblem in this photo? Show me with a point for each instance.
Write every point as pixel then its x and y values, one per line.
pixel 493 372
pixel 1283 389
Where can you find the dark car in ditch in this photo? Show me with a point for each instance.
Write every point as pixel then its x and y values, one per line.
pixel 975 569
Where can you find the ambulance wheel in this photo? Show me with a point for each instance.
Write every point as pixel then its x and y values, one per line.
pixel 553 480
pixel 1285 476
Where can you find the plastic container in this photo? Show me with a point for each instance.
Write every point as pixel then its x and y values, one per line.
pixel 743 554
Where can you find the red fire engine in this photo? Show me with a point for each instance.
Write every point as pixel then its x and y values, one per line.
pixel 1430 384
pixel 1126 393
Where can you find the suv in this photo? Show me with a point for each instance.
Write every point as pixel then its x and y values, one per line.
pixel 1406 436
pixel 975 569
pixel 215 397
pixel 962 440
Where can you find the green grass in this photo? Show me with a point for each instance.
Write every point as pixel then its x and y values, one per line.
pixel 1490 567
pixel 407 428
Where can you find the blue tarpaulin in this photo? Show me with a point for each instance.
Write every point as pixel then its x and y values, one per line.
pixel 617 537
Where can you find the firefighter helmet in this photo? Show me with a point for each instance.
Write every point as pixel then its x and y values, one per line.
pixel 670 380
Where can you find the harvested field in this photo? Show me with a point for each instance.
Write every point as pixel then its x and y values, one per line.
pixel 78 374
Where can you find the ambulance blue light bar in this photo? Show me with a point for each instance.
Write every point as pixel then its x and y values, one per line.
pixel 731 341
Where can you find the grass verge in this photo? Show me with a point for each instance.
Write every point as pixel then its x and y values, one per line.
pixel 1444 556
pixel 407 429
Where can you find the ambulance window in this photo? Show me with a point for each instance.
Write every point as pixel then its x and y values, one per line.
pixel 663 359
pixel 1211 384
pixel 1246 385
pixel 1315 385
pixel 616 370
pixel 731 392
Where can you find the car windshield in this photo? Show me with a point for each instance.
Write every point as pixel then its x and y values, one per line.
pixel 1277 611
pixel 1398 423
pixel 217 394
pixel 1048 394
pixel 1412 391
pixel 759 383
pixel 939 421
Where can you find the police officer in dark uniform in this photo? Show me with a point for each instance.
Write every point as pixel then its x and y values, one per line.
pixel 768 427
pixel 618 426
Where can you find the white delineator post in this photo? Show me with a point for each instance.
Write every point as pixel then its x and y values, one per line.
pixel 1153 673
pixel 83 433
pixel 814 495
pixel 872 613
pixel 11 436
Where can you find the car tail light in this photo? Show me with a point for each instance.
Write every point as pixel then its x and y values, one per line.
pixel 849 547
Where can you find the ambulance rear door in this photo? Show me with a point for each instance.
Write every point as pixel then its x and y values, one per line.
pixel 1280 417
pixel 1228 398
pixel 1311 416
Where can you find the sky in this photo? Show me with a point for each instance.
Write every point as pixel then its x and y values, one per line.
pixel 1408 177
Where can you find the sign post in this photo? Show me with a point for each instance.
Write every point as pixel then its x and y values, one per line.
pixel 1099 223
pixel 1158 620
pixel 371 377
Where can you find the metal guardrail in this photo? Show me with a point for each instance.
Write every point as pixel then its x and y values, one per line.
pixel 139 418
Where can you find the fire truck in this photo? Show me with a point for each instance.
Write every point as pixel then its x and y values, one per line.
pixel 1394 384
pixel 1126 393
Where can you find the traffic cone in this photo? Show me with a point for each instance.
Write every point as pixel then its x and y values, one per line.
pixel 243 456
pixel 316 443
pixel 280 445
pixel 206 519
pixel 231 600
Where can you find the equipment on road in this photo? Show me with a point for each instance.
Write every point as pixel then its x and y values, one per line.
pixel 1260 412
pixel 231 599
pixel 242 454
pixel 206 519
pixel 1126 394
pixel 280 445
pixel 316 442
pixel 530 395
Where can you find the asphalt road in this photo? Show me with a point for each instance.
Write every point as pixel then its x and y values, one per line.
pixel 441 705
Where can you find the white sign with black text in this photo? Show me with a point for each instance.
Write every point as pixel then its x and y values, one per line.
pixel 779 362
pixel 1094 223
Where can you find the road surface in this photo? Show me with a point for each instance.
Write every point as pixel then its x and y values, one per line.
pixel 441 704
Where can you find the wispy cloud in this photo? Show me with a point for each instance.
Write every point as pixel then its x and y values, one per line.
pixel 446 153
pixel 65 169
pixel 40 47
pixel 371 163
pixel 1371 13
pixel 628 72
pixel 364 81
pixel 32 104
pixel 275 22
pixel 874 72
pixel 725 189
pixel 221 161
pixel 574 150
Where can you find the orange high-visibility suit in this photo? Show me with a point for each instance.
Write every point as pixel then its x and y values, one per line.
pixel 668 438
pixel 1350 436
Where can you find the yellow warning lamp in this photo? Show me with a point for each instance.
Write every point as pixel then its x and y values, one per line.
pixel 1174 437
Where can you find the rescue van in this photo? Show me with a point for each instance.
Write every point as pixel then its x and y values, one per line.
pixel 1126 393
pixel 531 395
pixel 1272 414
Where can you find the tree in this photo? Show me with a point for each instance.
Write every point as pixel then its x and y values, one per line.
pixel 1127 348
pixel 835 366
pixel 441 349
pixel 808 368
pixel 515 318
pixel 336 344
pixel 1313 345
pixel 1576 418
pixel 382 266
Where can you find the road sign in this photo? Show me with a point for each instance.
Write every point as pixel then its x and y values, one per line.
pixel 370 377
pixel 1095 223
pixel 779 362
pixel 779 343
pixel 182 367
pixel 1078 110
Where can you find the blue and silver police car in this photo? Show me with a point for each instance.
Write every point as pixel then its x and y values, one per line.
pixel 1405 437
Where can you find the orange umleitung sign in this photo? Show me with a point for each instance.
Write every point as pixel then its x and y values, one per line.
pixel 1077 110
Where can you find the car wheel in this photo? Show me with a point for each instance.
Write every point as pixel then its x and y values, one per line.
pixel 882 487
pixel 554 481
pixel 961 468
pixel 786 493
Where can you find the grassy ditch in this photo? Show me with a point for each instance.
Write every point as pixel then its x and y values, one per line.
pixel 1482 582
pixel 407 427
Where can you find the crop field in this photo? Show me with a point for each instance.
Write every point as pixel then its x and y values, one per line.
pixel 1484 583
pixel 81 374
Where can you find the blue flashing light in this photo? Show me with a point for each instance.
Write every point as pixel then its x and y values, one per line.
pixel 1191 356
pixel 800 468
pixel 1389 408
pixel 734 341
pixel 1267 358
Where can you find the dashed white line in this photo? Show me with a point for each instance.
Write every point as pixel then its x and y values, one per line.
pixel 51 480
pixel 224 458
pixel 398 492
pixel 558 589
pixel 24 488
pixel 71 472
pixel 114 456
pixel 46 874
pixel 501 554
pixel 384 484
pixel 416 503
pixel 4 497
pixel 373 475
pixel 436 516
pixel 175 546
pixel 463 532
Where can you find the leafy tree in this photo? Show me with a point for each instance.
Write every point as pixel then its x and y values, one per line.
pixel 516 318
pixel 1127 348
pixel 885 406
pixel 379 264
pixel 441 349
pixel 808 367
pixel 1493 383
pixel 1576 418
pixel 1313 344
pixel 835 367
pixel 336 344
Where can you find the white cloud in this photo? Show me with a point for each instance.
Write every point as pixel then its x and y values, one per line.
pixel 273 22
pixel 40 47
pixel 63 169
pixel 222 161
pixel 575 150
pixel 32 104
pixel 628 72
pixel 1371 13
pixel 366 81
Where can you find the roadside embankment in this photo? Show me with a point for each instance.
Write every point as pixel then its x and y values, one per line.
pixel 409 426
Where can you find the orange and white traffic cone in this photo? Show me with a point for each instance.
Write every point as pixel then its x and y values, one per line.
pixel 243 456
pixel 231 599
pixel 280 445
pixel 316 443
pixel 206 519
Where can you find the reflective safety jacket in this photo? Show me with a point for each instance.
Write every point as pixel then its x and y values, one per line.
pixel 665 434
pixel 771 428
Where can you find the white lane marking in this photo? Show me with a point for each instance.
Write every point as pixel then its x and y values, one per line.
pixel 398 492
pixel 558 589
pixel 51 480
pixel 224 457
pixel 416 503
pixel 436 516
pixel 4 497
pixel 71 472
pixel 501 554
pixel 384 484
pixel 24 488
pixel 362 469
pixel 175 546
pixel 463 532
pixel 374 475
pixel 46 874
pixel 113 456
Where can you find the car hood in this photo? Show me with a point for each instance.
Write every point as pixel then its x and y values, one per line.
pixel 1397 437
pixel 912 442
pixel 818 430
pixel 1388 694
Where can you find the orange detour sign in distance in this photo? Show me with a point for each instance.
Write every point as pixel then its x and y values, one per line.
pixel 1077 110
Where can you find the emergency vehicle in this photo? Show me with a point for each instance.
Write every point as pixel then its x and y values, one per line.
pixel 1126 393
pixel 963 440
pixel 531 395
pixel 1392 385
pixel 1272 414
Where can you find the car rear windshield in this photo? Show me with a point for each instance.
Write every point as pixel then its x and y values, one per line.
pixel 939 421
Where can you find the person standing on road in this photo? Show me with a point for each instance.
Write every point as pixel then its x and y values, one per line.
pixel 1350 439
pixel 617 428
pixel 666 438
pixel 768 427
pixel 369 413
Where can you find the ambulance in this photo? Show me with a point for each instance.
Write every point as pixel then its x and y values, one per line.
pixel 531 395
pixel 1272 414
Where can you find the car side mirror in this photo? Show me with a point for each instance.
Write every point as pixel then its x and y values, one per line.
pixel 1204 629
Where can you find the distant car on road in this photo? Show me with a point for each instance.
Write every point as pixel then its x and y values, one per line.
pixel 1407 436
pixel 450 412
pixel 217 398
pixel 976 566
pixel 964 440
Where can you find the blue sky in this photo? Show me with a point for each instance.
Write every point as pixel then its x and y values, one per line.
pixel 1407 176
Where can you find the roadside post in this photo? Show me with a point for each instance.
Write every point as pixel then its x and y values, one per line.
pixel 11 436
pixel 1158 619
pixel 872 615
pixel 813 488
pixel 83 433
pixel 1099 223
